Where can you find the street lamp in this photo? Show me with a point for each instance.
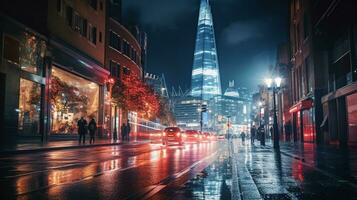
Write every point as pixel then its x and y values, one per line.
pixel 274 84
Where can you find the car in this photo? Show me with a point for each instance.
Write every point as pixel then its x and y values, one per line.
pixel 221 137
pixel 192 135
pixel 172 134
pixel 206 136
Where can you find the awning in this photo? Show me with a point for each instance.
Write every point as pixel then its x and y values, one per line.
pixel 302 105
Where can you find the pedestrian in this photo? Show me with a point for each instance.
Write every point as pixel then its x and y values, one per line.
pixel 262 135
pixel 242 135
pixel 271 132
pixel 253 131
pixel 92 127
pixel 128 129
pixel 82 129
pixel 287 128
pixel 122 131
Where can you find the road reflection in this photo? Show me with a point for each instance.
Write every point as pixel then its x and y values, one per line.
pixel 143 166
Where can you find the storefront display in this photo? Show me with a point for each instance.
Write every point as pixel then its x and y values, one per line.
pixel 29 107
pixel 72 97
pixel 308 126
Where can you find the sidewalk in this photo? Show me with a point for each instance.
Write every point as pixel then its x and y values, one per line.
pixel 297 171
pixel 36 146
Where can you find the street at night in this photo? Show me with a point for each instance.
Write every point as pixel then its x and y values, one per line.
pixel 192 171
pixel 178 99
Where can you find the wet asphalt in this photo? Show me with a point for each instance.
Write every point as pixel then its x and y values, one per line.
pixel 215 170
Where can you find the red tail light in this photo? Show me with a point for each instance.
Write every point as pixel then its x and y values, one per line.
pixel 163 134
pixel 178 134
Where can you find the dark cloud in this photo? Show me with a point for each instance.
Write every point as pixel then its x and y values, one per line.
pixel 247 35
pixel 239 32
pixel 160 13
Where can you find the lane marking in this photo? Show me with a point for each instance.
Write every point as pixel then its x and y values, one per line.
pixel 156 188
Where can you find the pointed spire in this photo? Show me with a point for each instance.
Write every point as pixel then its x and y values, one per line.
pixel 205 73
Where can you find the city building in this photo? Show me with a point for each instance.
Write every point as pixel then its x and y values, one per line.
pixel 65 54
pixel 336 51
pixel 187 111
pixel 308 75
pixel 283 96
pixel 205 70
pixel 123 55
pixel 230 109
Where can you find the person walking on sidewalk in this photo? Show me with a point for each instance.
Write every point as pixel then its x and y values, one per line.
pixel 82 130
pixel 128 129
pixel 122 131
pixel 242 135
pixel 92 127
pixel 262 135
pixel 253 131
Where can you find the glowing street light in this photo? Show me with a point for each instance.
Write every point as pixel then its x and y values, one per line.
pixel 274 84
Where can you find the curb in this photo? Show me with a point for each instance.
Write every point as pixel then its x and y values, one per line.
pixel 35 150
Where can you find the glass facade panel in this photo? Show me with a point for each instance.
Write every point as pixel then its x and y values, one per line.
pixel 29 107
pixel 32 52
pixel 205 73
pixel 352 117
pixel 71 97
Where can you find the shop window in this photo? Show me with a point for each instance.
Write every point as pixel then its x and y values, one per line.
pixel 11 49
pixel 32 52
pixel 308 126
pixel 352 118
pixel 71 97
pixel 29 107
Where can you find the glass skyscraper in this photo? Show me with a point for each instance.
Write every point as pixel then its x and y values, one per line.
pixel 205 73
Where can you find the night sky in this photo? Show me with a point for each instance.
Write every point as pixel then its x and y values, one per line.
pixel 247 35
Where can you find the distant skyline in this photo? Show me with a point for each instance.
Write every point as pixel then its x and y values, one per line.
pixel 247 35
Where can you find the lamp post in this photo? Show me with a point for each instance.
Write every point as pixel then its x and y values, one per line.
pixel 274 84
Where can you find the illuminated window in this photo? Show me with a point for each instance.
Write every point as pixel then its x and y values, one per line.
pixel 29 107
pixel 71 97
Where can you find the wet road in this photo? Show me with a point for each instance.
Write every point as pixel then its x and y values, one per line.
pixel 135 171
pixel 253 172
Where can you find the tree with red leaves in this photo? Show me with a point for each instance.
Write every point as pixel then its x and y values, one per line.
pixel 132 94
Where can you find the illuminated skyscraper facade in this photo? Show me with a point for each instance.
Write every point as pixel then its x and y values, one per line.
pixel 205 73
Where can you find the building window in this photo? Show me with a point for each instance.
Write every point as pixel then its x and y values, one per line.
pixel 101 5
pixel 59 6
pixel 11 49
pixel 126 70
pixel 114 69
pixel 69 15
pixel 29 107
pixel 93 4
pixel 71 97
pixel 92 34
pixel 32 52
pixel 115 41
pixel 80 25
